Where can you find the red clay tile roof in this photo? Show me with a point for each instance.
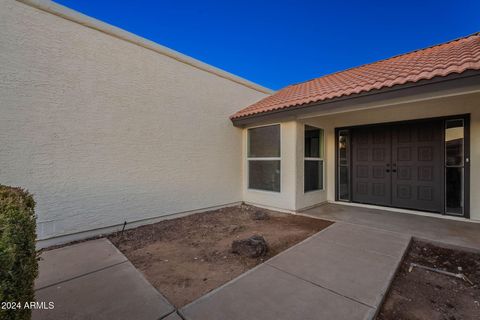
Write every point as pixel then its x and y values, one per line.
pixel 455 56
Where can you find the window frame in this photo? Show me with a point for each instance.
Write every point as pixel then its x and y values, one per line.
pixel 248 158
pixel 462 166
pixel 467 158
pixel 338 166
pixel 318 159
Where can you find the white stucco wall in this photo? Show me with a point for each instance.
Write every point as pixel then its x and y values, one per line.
pixel 102 130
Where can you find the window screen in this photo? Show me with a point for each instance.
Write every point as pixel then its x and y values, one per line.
pixel 264 142
pixel 263 158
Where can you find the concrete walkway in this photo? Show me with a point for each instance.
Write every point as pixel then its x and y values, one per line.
pixel 451 232
pixel 93 280
pixel 342 272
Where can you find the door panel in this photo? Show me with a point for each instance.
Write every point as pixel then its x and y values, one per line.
pixel 371 158
pixel 399 165
pixel 417 163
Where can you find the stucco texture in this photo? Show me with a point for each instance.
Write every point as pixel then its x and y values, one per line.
pixel 101 130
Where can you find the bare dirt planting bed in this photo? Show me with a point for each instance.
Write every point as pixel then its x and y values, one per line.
pixel 187 257
pixel 423 294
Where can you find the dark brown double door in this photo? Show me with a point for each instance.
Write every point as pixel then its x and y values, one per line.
pixel 399 165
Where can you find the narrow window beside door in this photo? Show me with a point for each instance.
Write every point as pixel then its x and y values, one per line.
pixel 343 165
pixel 454 166
pixel 313 163
pixel 263 156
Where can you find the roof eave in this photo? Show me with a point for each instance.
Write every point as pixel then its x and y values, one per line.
pixel 452 82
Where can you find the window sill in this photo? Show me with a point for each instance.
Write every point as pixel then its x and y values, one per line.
pixel 313 191
pixel 264 191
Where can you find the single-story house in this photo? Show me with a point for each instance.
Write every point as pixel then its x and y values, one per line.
pixel 105 127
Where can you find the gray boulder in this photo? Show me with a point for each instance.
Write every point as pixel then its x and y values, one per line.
pixel 252 247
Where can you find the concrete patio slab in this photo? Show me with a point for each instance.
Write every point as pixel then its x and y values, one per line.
pixel 118 291
pixel 65 263
pixel 266 293
pixel 450 232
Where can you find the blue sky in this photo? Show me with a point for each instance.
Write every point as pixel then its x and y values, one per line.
pixel 277 43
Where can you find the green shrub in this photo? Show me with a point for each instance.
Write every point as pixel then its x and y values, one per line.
pixel 18 258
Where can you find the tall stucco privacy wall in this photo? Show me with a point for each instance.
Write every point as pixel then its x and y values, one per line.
pixel 105 127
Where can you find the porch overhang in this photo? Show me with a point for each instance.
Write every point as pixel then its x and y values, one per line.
pixel 438 87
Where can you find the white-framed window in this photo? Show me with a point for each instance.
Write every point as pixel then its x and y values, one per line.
pixel 313 159
pixel 263 158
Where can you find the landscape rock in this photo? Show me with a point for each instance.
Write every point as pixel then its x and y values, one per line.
pixel 252 247
pixel 260 215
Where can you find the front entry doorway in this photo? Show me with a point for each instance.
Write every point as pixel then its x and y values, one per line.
pixel 419 165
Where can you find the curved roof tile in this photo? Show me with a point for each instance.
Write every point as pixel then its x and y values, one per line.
pixel 441 60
